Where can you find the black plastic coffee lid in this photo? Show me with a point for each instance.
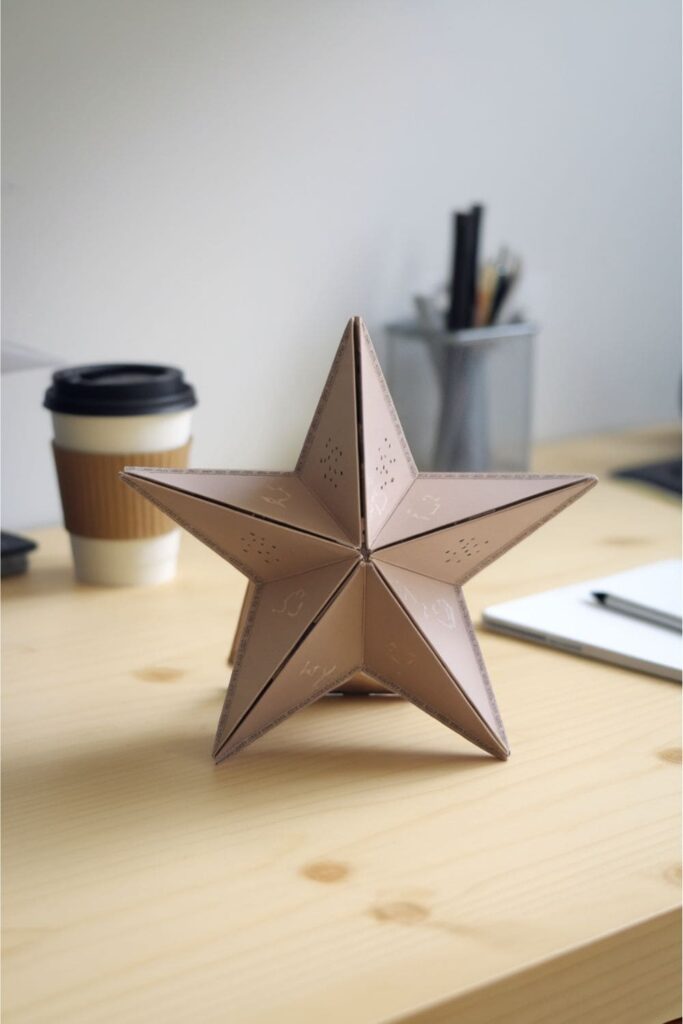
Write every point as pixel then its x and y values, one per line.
pixel 119 389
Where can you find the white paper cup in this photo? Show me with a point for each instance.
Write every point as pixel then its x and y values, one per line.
pixel 117 538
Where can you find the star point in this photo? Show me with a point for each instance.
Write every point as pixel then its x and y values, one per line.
pixel 357 561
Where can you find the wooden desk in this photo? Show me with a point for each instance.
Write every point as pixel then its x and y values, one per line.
pixel 360 863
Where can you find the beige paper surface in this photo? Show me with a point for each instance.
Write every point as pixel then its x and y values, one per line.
pixel 261 548
pixel 279 615
pixel 356 562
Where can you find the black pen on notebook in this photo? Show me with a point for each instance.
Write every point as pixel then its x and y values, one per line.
pixel 637 610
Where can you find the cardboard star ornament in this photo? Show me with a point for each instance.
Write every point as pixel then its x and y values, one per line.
pixel 357 561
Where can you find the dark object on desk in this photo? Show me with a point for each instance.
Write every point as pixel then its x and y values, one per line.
pixel 638 610
pixel 459 371
pixel 476 218
pixel 666 475
pixel 15 551
pixel 477 296
pixel 464 247
pixel 507 273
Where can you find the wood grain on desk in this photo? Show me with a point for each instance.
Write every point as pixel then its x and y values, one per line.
pixel 360 863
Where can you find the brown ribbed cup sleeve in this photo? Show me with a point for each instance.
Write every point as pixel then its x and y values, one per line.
pixel 97 503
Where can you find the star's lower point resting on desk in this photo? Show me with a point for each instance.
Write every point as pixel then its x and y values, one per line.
pixel 358 561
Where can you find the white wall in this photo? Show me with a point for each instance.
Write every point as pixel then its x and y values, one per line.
pixel 221 184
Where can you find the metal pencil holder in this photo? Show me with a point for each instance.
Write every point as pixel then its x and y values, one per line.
pixel 481 420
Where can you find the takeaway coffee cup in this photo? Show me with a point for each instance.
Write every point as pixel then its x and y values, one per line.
pixel 104 418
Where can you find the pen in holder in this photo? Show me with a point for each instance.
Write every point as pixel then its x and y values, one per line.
pixel 484 380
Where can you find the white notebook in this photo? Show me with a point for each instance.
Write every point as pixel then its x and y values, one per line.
pixel 570 619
